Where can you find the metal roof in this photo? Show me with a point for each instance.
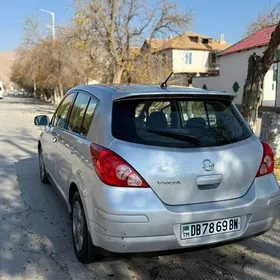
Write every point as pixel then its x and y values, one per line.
pixel 185 42
pixel 125 90
pixel 259 39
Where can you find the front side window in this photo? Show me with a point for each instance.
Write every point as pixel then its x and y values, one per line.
pixel 62 113
pixel 77 113
pixel 178 122
pixel 88 117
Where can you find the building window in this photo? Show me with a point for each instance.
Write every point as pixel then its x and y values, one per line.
pixel 205 41
pixel 194 39
pixel 275 72
pixel 188 58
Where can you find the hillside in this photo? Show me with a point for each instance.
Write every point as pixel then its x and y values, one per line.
pixel 6 61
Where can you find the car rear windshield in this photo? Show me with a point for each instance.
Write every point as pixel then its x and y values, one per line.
pixel 178 122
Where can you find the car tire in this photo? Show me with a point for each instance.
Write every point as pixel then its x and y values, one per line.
pixel 42 168
pixel 85 251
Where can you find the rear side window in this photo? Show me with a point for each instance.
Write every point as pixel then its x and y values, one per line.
pixel 178 122
pixel 78 112
pixel 62 113
pixel 88 117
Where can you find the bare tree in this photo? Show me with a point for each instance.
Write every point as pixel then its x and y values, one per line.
pixel 263 20
pixel 118 24
pixel 53 65
pixel 98 45
pixel 95 62
pixel 33 33
pixel 147 68
pixel 257 68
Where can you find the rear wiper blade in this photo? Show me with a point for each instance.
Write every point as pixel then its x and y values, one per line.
pixel 176 135
pixel 220 132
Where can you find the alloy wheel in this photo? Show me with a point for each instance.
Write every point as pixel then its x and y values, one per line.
pixel 78 226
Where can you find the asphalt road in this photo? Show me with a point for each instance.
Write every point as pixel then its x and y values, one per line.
pixel 35 236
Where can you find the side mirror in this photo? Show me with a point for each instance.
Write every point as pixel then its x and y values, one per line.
pixel 41 120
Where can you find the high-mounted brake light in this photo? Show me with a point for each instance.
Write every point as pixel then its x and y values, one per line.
pixel 113 170
pixel 267 164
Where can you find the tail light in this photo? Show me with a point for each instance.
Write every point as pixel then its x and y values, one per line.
pixel 267 164
pixel 113 170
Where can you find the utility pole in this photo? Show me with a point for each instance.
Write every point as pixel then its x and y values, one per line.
pixel 53 21
pixel 53 33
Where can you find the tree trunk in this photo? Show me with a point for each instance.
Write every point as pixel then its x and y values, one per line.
pixel 270 131
pixel 252 93
pixel 56 96
pixel 34 87
pixel 118 74
pixel 257 68
pixel 61 91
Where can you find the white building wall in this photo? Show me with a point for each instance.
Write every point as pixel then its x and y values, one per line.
pixel 199 61
pixel 233 68
pixel 269 89
pixel 211 82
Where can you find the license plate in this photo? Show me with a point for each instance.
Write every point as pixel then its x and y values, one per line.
pixel 210 228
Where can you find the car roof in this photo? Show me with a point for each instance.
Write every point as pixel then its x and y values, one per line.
pixel 118 91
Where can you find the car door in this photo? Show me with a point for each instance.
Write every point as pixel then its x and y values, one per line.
pixel 68 138
pixel 49 148
pixel 53 132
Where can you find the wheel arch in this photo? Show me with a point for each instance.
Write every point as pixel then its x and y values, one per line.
pixel 86 200
pixel 72 190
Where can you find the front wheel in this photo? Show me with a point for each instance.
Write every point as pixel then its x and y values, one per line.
pixel 84 249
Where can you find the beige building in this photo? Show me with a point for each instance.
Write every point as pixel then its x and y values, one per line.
pixel 189 52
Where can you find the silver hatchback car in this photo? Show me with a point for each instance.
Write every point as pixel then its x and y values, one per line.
pixel 145 169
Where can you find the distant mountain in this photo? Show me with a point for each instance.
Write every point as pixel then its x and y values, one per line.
pixel 6 62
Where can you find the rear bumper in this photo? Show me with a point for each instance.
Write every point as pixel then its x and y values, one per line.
pixel 170 242
pixel 131 222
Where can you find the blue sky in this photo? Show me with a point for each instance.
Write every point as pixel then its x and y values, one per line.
pixel 211 17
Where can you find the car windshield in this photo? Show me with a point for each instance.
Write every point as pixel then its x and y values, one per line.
pixel 174 122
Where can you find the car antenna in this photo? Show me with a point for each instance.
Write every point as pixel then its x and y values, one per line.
pixel 163 85
pixel 190 80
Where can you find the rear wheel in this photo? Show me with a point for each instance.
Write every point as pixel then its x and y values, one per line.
pixel 43 173
pixel 84 249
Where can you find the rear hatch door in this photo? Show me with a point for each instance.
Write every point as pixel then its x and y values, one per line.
pixel 188 149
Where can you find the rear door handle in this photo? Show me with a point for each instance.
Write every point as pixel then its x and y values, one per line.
pixel 209 181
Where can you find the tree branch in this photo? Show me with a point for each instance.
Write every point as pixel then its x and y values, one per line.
pixel 269 54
